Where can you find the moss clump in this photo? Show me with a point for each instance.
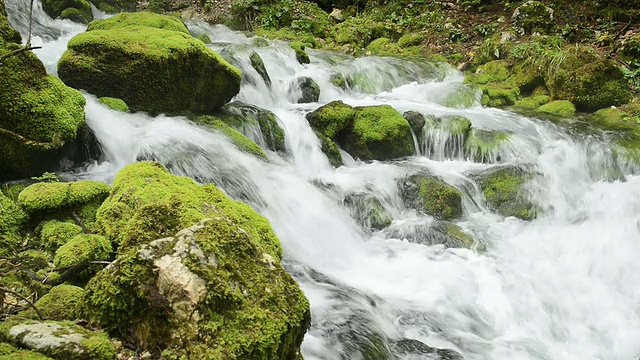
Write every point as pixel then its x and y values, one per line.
pixel 55 8
pixel 239 140
pixel 24 355
pixel 46 197
pixel 383 47
pixel 331 119
pixel 433 196
pixel 243 117
pixel 55 233
pixel 83 248
pixel 115 104
pixel 533 17
pixel 74 14
pixel 58 339
pixel 301 54
pixel 484 146
pixel 244 306
pixel 147 203
pixel 152 69
pixel 380 133
pixel 563 108
pixel 38 114
pixel 146 19
pixel 503 188
pixel 411 39
pixel 498 96
pixel 539 97
pixel 12 219
pixel 589 82
pixel 62 302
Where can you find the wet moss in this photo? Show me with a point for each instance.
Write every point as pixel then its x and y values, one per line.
pixel 74 14
pixel 143 18
pixel 243 116
pixel 258 65
pixel 55 8
pixel 483 145
pixel 238 139
pixel 301 54
pixel 83 248
pixel 12 219
pixel 46 197
pixel 539 97
pixel 62 302
pixel 380 133
pixel 115 104
pixel 432 196
pixel 330 149
pixel 563 108
pixel 331 119
pixel 55 233
pixel 383 47
pixel 504 191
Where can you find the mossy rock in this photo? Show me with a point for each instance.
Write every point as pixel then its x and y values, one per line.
pixel 485 145
pixel 527 75
pixel 538 97
pixel 330 148
pixel 62 302
pixel 533 17
pixel 562 108
pixel 378 133
pixel 499 96
pixel 332 119
pixel 152 69
pixel 453 130
pixel 589 82
pixel 244 118
pixel 258 65
pixel 55 233
pixel 368 211
pixel 238 139
pixel 9 352
pixel 115 104
pixel 143 18
pixel 301 53
pixel 305 90
pixel 55 8
pixel 12 220
pixel 411 39
pixel 416 121
pixel 58 339
pixel 75 15
pixel 463 96
pixel 414 349
pixel 7 33
pixel 64 201
pixel 83 248
pixel 383 47
pixel 195 270
pixel 40 118
pixel 432 196
pixel 504 191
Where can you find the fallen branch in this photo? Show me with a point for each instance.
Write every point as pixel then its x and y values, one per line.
pixel 3 289
pixel 18 51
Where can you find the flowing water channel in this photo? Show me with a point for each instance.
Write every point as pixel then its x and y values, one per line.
pixel 563 286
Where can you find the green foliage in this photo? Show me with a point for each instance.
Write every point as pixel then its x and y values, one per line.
pixel 563 108
pixel 239 140
pixel 46 177
pixel 115 104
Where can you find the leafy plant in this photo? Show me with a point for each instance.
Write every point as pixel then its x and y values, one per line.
pixel 46 177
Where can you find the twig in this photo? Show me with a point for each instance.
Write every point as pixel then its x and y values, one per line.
pixel 621 31
pixel 23 298
pixel 28 45
pixel 80 222
pixel 17 51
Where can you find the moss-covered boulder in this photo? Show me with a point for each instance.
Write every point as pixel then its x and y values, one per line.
pixel 75 15
pixel 444 136
pixel 58 339
pixel 258 65
pixel 330 148
pixel 40 118
pixel 305 90
pixel 332 119
pixel 197 273
pixel 301 53
pixel 83 248
pixel 484 145
pixel 435 232
pixel 368 211
pixel 562 108
pixel 538 97
pixel 149 62
pixel 432 196
pixel 378 133
pixel 589 82
pixel 64 201
pixel 238 139
pixel 504 191
pixel 115 104
pixel 532 17
pixel 56 8
pixel 12 219
pixel 259 125
pixel 55 233
pixel 62 302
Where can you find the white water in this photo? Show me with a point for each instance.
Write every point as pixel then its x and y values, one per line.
pixel 564 286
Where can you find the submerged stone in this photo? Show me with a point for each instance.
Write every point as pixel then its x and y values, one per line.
pixel 305 90
pixel 484 145
pixel 258 65
pixel 432 196
pixel 504 190
pixel 368 211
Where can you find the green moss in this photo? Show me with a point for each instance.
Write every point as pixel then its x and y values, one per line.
pixel 368 211
pixel 498 96
pixel 11 190
pixel 38 115
pixel 462 97
pixel 251 307
pixel 301 54
pixel 55 8
pixel 497 70
pixel 331 119
pixel 258 65
pixel 330 149
pixel 115 104
pixel 239 140
pixel 461 239
pixel 83 248
pixel 613 119
pixel 411 39
pixel 74 14
pixel 563 108
pixel 144 18
pixel 539 97
pixel 441 200
pixel 503 189
pixel 483 146
pixel 241 116
pixel 380 133
pixel 62 302
pixel 359 32
pixel 6 349
pixel 107 9
pixel 533 17
pixel 127 216
pixel 383 47
pixel 24 355
pixel 12 219
pixel 55 233
pixel 151 69
pixel 44 197
pixel 455 124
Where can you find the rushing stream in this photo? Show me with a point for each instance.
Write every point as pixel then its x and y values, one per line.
pixel 563 286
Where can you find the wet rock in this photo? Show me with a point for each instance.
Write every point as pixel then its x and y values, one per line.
pixel 424 232
pixel 484 145
pixel 301 53
pixel 305 90
pixel 368 211
pixel 411 348
pixel 249 118
pixel 258 65
pixel 337 15
pixel 416 120
pixel 432 196
pixel 505 192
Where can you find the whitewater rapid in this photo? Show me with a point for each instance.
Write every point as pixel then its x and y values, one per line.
pixel 563 286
